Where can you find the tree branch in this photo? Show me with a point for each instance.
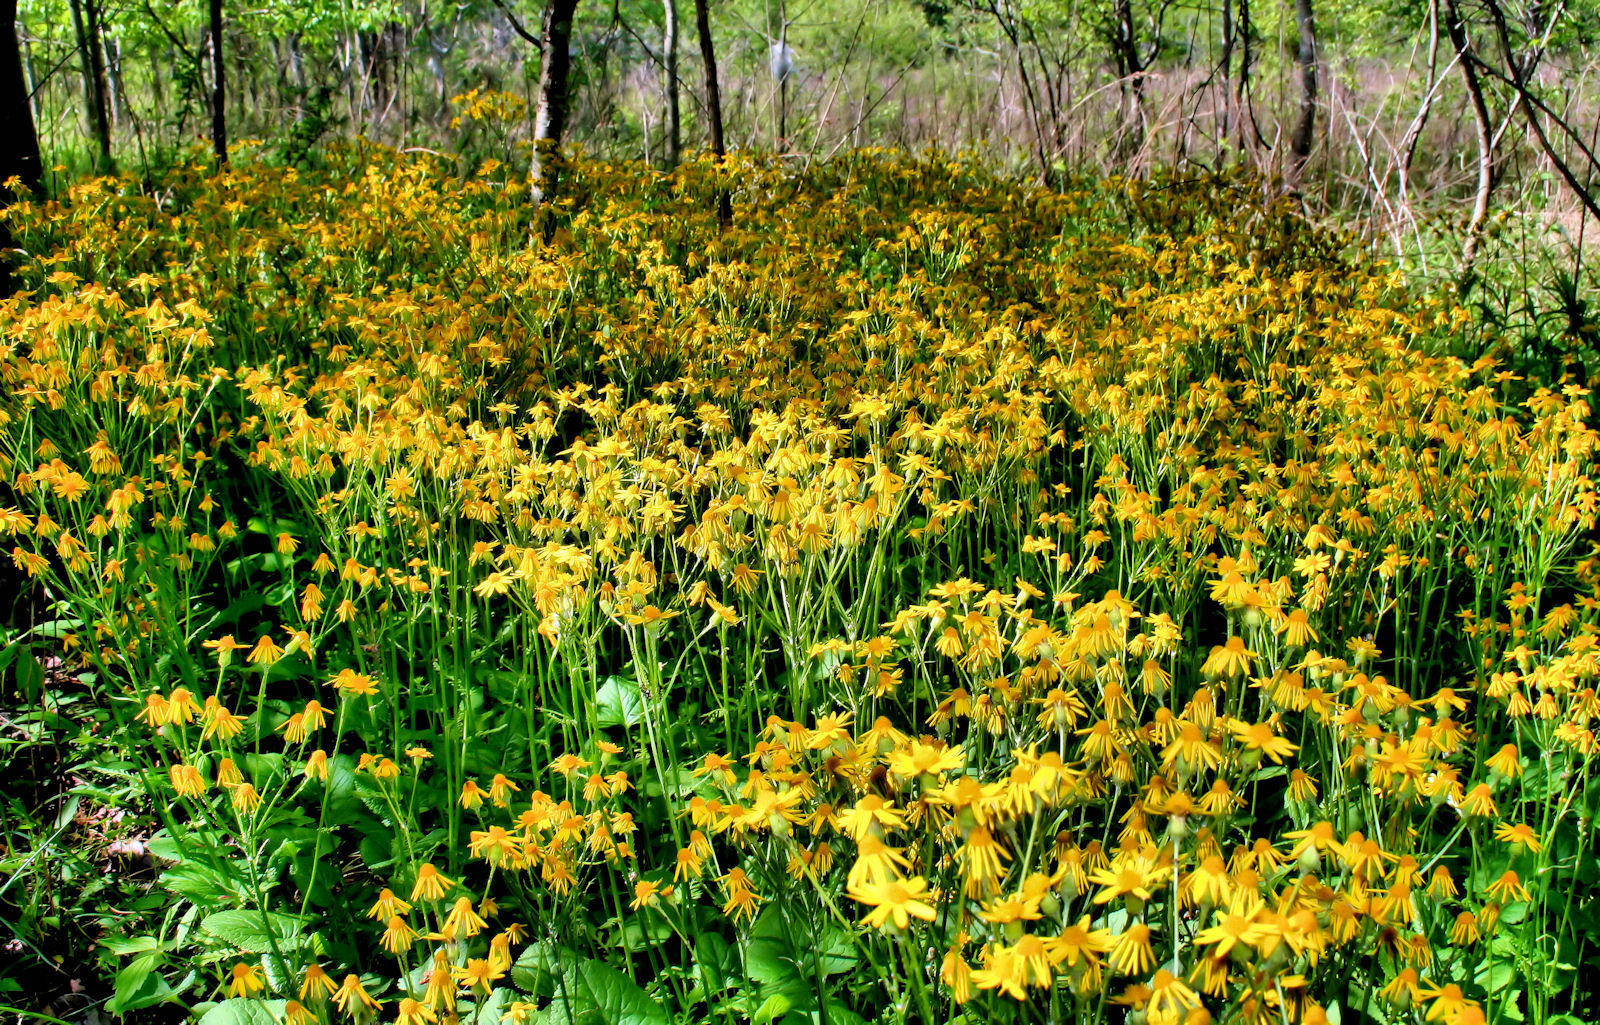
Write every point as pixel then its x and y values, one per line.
pixel 516 26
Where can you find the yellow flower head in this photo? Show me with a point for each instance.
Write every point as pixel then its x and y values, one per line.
pixel 244 980
pixel 431 884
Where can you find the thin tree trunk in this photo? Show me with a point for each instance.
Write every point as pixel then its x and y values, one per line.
pixel 1408 142
pixel 1456 28
pixel 1053 89
pixel 1244 99
pixel 86 26
pixel 102 89
pixel 19 142
pixel 1005 21
pixel 219 78
pixel 1130 68
pixel 158 87
pixel 669 53
pixel 708 57
pixel 1225 68
pixel 81 36
pixel 550 114
pixel 1519 70
pixel 1305 129
pixel 781 69
pixel 118 86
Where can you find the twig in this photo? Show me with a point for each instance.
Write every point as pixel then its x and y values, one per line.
pixel 516 26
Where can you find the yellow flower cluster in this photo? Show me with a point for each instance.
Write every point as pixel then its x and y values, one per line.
pixel 1159 619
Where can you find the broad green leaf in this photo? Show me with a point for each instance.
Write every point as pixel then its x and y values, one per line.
pixel 643 931
pixel 139 984
pixel 30 677
pixel 619 703
pixel 715 962
pixel 618 998
pixel 534 971
pixel 203 886
pixel 58 628
pixel 1514 912
pixel 232 614
pixel 585 989
pixel 238 1011
pixel 771 1009
pixel 131 945
pixel 1496 976
pixel 248 930
pixel 780 951
pixel 839 1014
pixel 377 851
pixel 490 1010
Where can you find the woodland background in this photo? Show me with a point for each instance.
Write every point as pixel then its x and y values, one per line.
pixel 1383 115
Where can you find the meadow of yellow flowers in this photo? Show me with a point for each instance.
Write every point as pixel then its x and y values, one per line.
pixel 928 599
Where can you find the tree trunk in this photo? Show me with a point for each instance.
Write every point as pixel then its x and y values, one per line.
pixel 86 26
pixel 19 143
pixel 669 53
pixel 550 114
pixel 1456 28
pixel 1244 101
pixel 1408 142
pixel 708 57
pixel 1130 71
pixel 1007 22
pixel 102 90
pixel 158 88
pixel 1305 128
pixel 1225 70
pixel 782 64
pixel 219 78
pixel 117 86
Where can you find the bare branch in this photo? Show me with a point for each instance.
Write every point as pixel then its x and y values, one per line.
pixel 516 26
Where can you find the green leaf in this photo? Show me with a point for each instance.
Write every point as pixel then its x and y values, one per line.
pixel 492 1008
pixel 58 628
pixel 642 931
pixel 619 703
pixel 238 1011
pixel 780 951
pixel 131 945
pixel 534 971
pixel 1496 976
pixel 203 886
pixel 232 614
pixel 248 930
pixel 30 677
pixel 138 984
pixel 839 1014
pixel 618 998
pixel 377 851
pixel 585 989
pixel 771 1009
